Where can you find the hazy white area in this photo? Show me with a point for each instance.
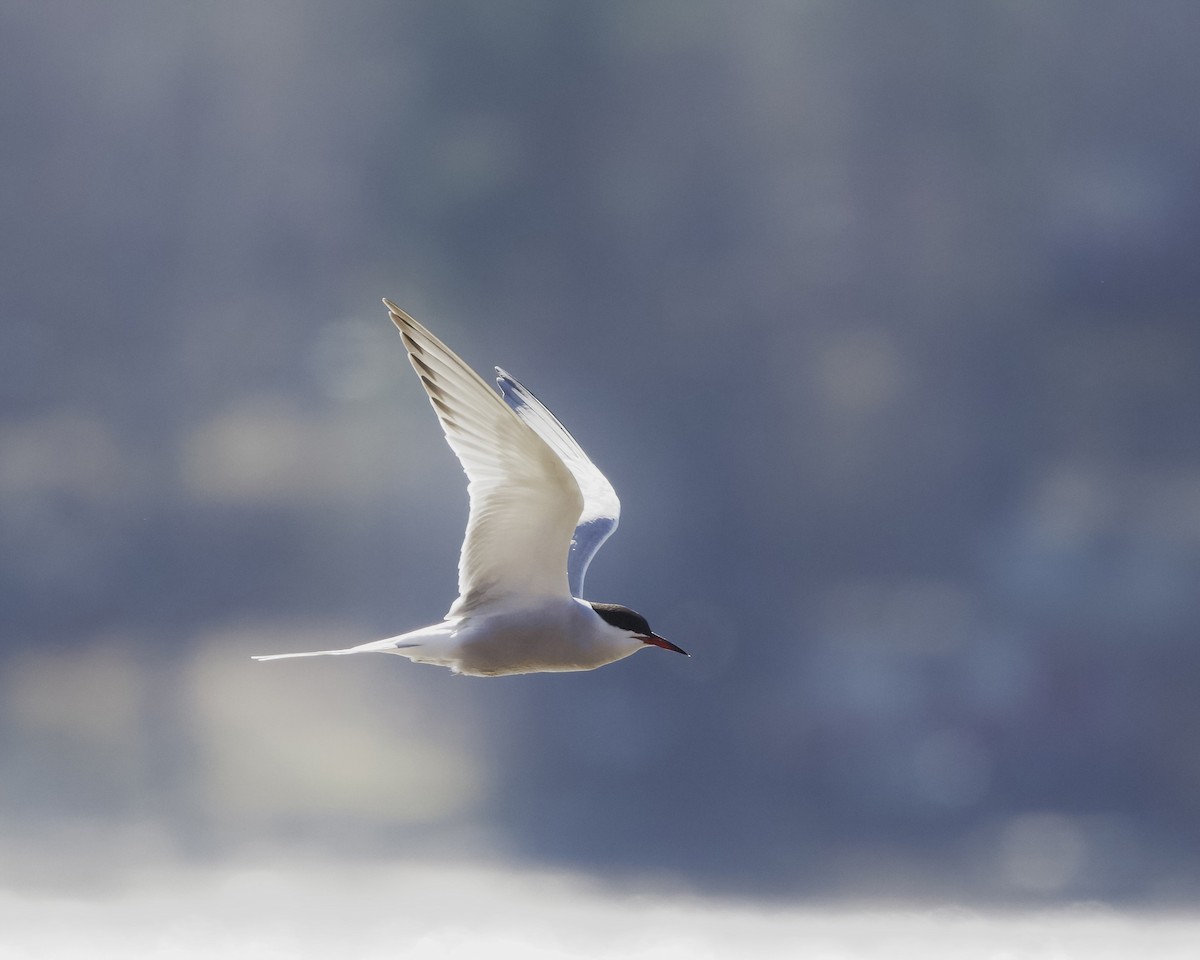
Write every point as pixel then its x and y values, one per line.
pixel 417 910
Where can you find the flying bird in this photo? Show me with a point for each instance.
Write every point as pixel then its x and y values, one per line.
pixel 539 511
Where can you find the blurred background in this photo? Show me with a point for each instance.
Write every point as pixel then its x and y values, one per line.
pixel 881 318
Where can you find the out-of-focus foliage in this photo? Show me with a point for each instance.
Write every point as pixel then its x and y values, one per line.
pixel 882 318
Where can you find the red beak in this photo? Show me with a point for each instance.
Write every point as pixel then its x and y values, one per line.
pixel 658 641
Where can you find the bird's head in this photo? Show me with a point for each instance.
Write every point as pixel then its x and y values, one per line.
pixel 633 624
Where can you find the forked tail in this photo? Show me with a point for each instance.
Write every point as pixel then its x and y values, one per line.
pixel 390 645
pixel 314 653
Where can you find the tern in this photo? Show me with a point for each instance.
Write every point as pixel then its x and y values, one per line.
pixel 539 511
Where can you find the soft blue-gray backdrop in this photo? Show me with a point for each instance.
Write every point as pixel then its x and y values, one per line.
pixel 884 320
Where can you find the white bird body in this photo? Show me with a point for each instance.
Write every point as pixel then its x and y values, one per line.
pixel 539 511
pixel 554 636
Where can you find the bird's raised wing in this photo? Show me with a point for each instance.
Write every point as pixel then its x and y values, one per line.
pixel 525 501
pixel 601 508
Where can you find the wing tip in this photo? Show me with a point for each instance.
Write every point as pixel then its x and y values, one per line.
pixel 399 317
pixel 515 394
pixel 510 389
